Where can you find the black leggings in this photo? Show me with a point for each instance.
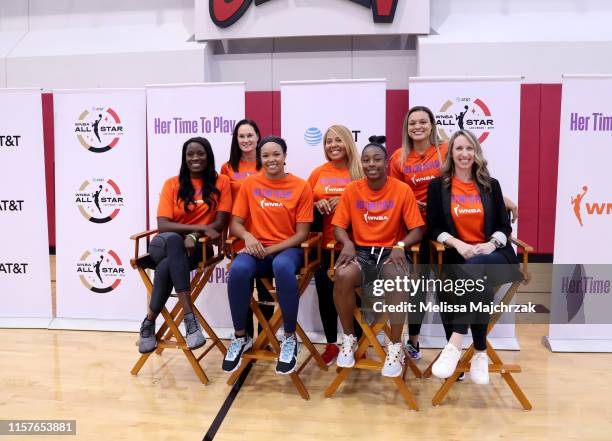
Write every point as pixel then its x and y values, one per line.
pixel 167 250
pixel 327 308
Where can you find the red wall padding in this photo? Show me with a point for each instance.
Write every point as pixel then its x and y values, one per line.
pixel 550 121
pixel 539 151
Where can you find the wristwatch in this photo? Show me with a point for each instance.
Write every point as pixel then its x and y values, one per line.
pixel 400 244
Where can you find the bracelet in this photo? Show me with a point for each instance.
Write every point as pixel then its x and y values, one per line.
pixel 399 248
pixel 194 237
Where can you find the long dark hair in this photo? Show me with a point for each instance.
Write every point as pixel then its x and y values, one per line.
pixel 276 140
pixel 186 191
pixel 235 152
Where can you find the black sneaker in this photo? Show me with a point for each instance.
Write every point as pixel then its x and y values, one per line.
pixel 147 342
pixel 413 351
pixel 287 360
pixel 237 347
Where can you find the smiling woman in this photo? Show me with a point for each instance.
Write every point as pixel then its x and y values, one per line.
pixel 272 214
pixel 195 203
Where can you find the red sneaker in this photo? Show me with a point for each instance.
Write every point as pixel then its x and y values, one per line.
pixel 330 353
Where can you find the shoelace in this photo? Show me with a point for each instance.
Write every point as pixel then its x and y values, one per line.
pixel 234 348
pixel 287 349
pixel 146 330
pixel 393 351
pixel 347 345
pixel 445 356
pixel 191 325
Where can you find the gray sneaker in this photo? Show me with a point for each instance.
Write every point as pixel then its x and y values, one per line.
pixel 195 338
pixel 147 342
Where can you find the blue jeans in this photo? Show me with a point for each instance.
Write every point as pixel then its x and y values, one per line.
pixel 283 266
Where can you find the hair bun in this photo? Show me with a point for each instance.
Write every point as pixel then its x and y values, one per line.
pixel 378 139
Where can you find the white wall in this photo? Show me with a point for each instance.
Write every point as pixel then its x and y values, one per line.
pixel 538 39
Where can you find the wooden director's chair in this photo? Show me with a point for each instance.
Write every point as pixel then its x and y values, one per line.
pixel 369 339
pixel 169 335
pixel 266 346
pixel 497 366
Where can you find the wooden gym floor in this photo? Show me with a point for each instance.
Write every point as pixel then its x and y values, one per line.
pixel 85 376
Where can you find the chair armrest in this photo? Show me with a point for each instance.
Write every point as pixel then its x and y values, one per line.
pixel 136 238
pixel 313 241
pixel 519 243
pixel 526 250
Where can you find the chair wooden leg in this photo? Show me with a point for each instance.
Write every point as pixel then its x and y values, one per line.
pixel 299 385
pixel 313 351
pixel 140 363
pixel 450 382
pixel 507 376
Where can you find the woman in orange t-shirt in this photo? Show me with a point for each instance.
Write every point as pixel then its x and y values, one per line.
pixel 466 212
pixel 385 220
pixel 272 214
pixel 195 203
pixel 242 164
pixel 328 182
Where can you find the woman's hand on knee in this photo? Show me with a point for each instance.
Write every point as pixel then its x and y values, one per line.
pixel 398 259
pixel 253 247
pixel 347 255
pixel 190 244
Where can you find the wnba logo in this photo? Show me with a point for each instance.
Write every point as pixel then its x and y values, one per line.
pixel 265 203
pixel 100 200
pixel 100 271
pixel 98 129
pixel 594 209
pixel 465 113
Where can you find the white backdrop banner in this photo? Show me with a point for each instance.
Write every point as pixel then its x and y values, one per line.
pixel 490 107
pixel 583 243
pixel 25 279
pixel 176 113
pixel 100 187
pixel 308 108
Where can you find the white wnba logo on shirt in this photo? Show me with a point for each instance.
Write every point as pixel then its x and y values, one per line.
pixel 368 218
pixel 330 189
pixel 459 210
pixel 416 180
pixel 264 203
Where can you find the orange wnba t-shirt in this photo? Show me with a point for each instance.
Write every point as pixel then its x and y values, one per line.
pixel 418 170
pixel 200 213
pixel 467 211
pixel 328 181
pixel 379 218
pixel 271 208
pixel 245 169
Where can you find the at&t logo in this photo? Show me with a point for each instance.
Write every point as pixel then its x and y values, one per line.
pixel 100 270
pixel 98 129
pixel 313 136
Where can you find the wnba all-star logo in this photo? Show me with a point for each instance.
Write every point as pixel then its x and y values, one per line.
pixel 591 208
pixel 99 200
pixel 465 113
pixel 98 129
pixel 100 270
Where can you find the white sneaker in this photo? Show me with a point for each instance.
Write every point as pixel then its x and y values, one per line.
pixel 394 362
pixel 346 357
pixel 479 369
pixel 447 361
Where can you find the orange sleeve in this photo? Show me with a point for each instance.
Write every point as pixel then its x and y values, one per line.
pixel 412 215
pixel 225 170
pixel 342 215
pixel 395 168
pixel 304 205
pixel 225 199
pixel 166 201
pixel 314 177
pixel 241 204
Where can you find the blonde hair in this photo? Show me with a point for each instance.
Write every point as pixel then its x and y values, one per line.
pixel 480 172
pixel 352 155
pixel 407 142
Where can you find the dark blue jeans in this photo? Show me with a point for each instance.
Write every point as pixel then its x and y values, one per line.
pixel 283 267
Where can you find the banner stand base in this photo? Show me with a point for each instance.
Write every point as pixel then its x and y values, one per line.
pixel 25 322
pixel 577 345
